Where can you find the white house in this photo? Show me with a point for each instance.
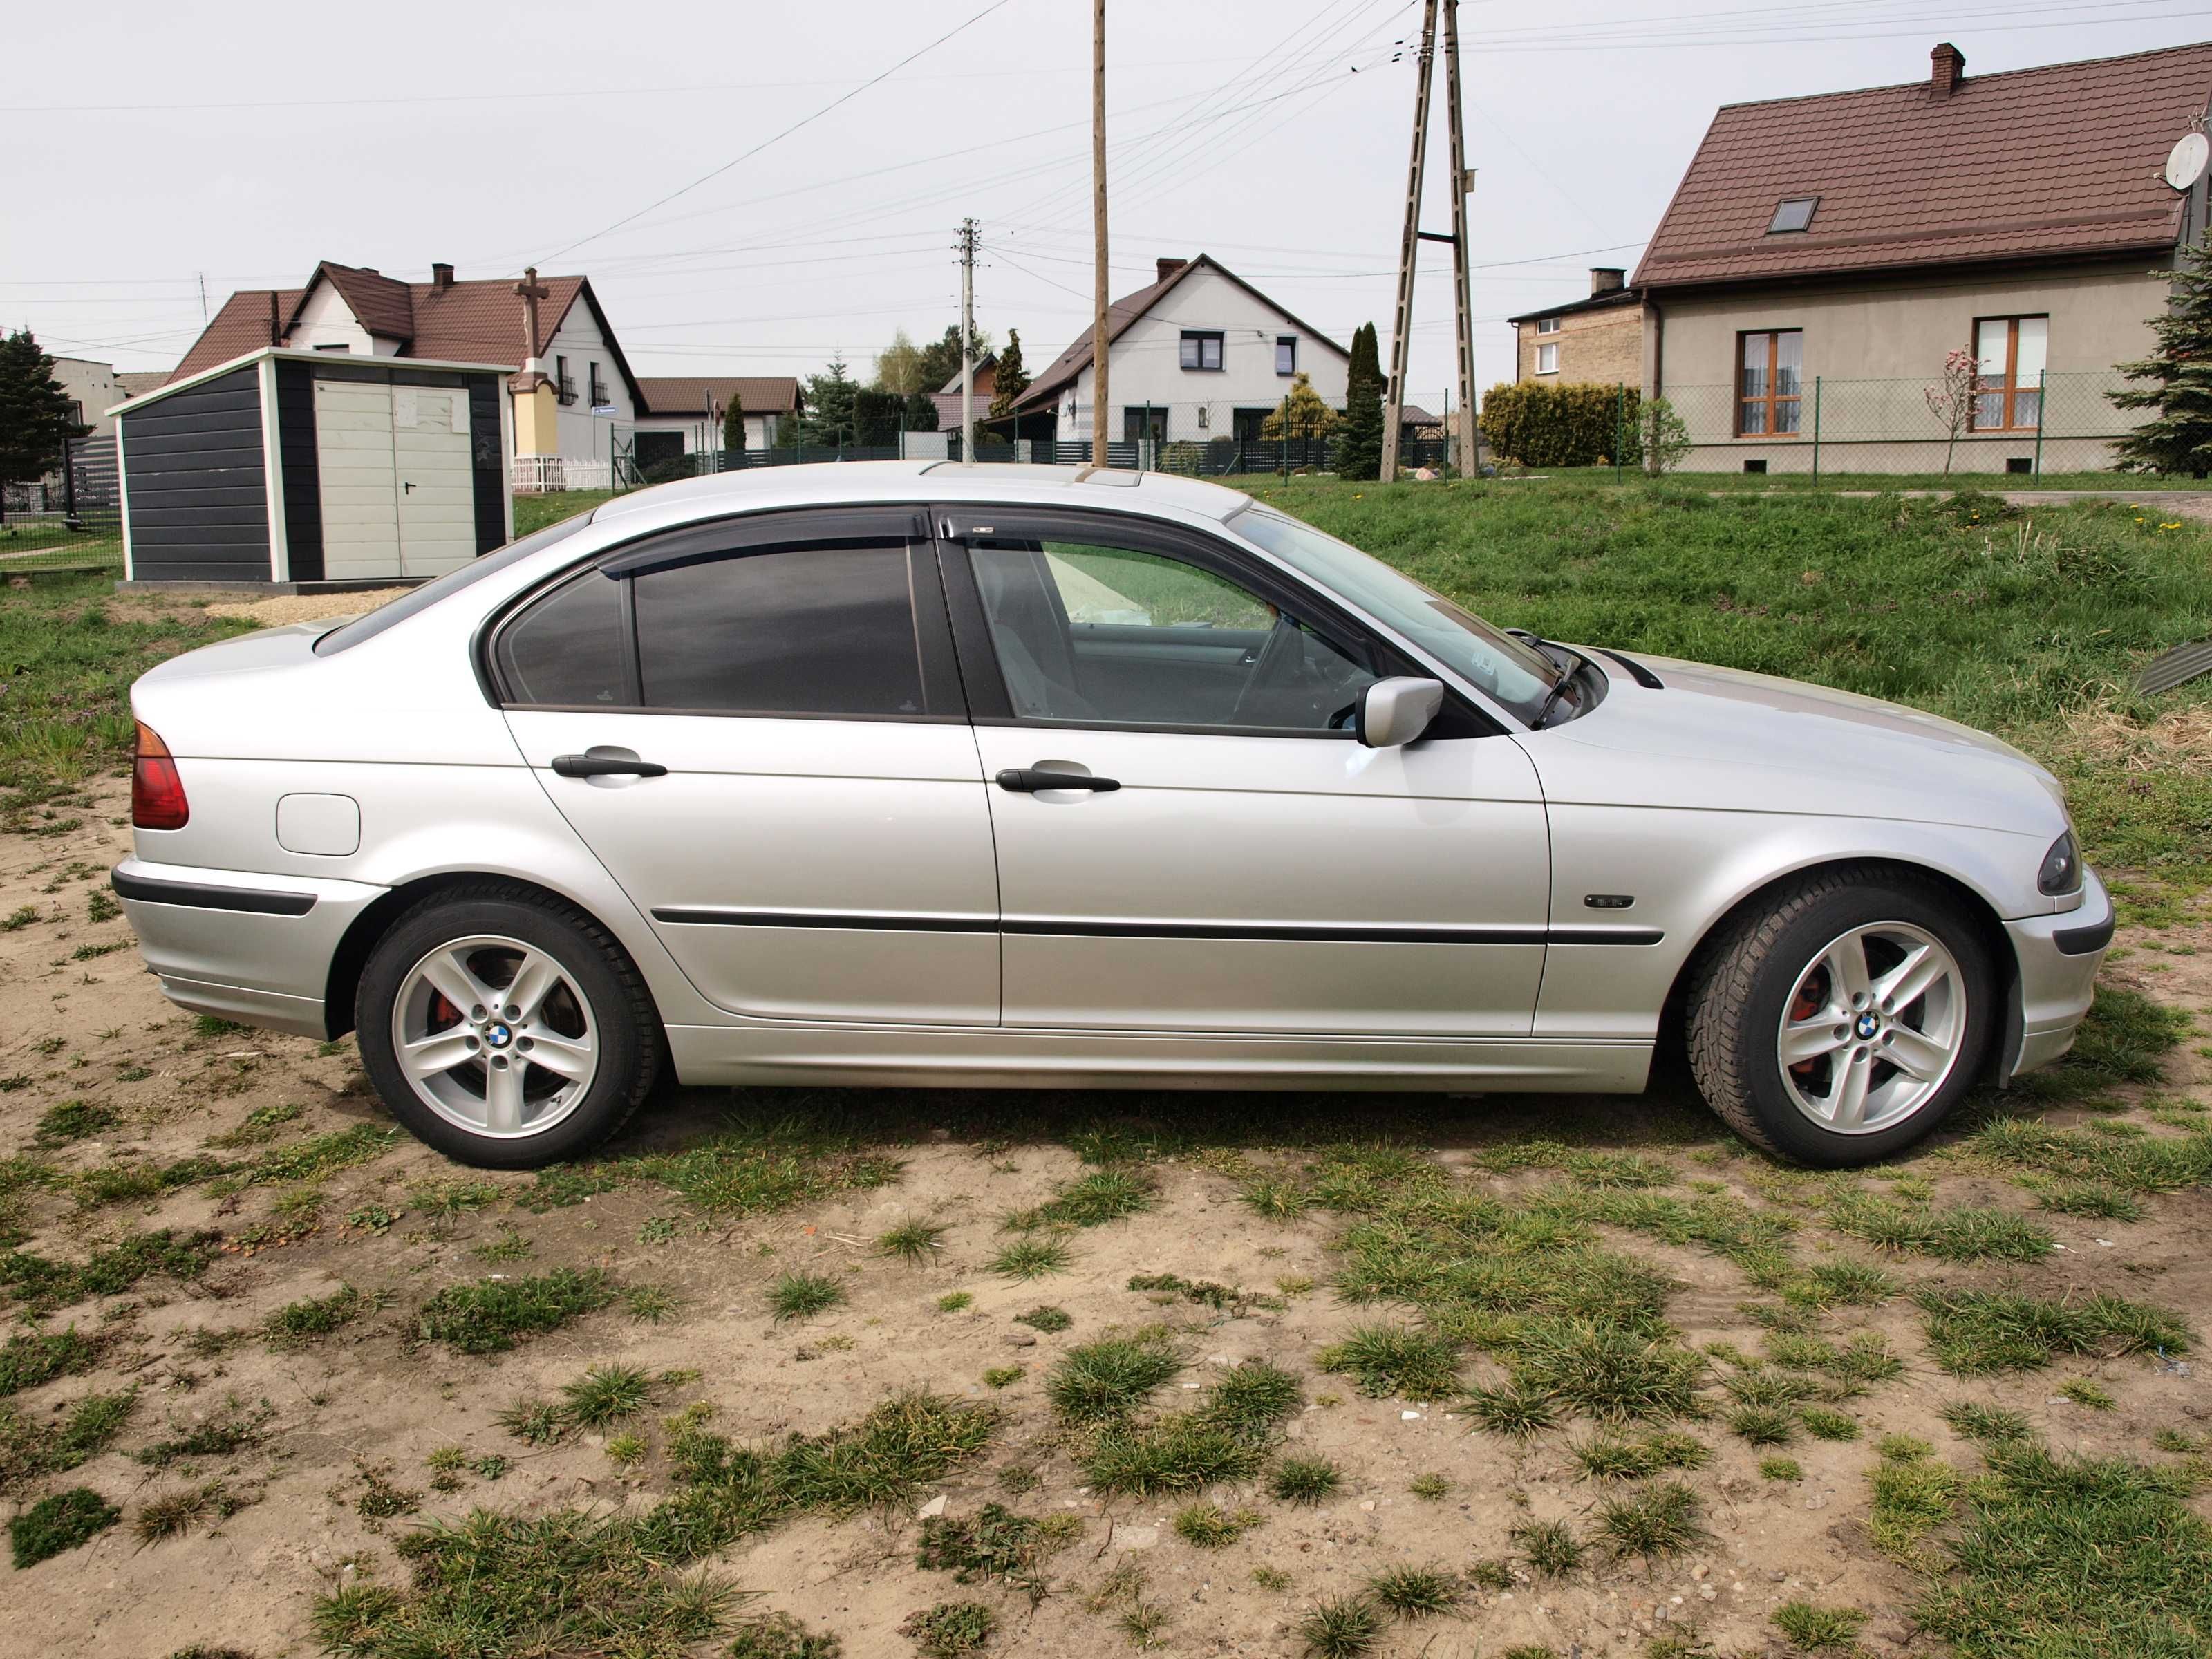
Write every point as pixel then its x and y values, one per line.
pixel 1200 355
pixel 91 387
pixel 572 388
pixel 682 413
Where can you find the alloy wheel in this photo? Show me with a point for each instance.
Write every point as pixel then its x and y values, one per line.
pixel 496 1036
pixel 1873 1028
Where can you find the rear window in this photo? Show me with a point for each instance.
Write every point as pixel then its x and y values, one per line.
pixel 398 610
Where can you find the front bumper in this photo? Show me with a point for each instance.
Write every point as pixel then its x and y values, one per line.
pixel 240 945
pixel 2058 957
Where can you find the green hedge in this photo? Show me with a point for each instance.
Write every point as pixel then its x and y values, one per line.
pixel 1540 423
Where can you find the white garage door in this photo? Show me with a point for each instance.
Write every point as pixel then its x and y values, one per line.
pixel 354 456
pixel 398 489
pixel 437 481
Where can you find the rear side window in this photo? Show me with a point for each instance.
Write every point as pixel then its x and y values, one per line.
pixel 568 650
pixel 816 631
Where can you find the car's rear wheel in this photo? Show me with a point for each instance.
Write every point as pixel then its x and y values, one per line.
pixel 504 1028
pixel 1844 1019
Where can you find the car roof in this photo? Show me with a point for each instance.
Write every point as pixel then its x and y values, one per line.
pixel 861 481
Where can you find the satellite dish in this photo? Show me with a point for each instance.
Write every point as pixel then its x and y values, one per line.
pixel 2185 162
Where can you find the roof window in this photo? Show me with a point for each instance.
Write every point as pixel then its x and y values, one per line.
pixel 1795 213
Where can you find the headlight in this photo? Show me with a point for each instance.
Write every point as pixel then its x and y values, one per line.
pixel 2062 867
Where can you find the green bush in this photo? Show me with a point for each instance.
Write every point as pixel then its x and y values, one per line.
pixel 1541 424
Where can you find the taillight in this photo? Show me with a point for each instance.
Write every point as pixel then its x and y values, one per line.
pixel 157 792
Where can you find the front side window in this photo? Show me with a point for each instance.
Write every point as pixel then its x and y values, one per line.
pixel 2009 353
pixel 1286 354
pixel 1091 632
pixel 814 630
pixel 1771 382
pixel 1201 350
pixel 1547 357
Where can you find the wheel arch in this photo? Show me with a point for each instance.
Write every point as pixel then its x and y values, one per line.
pixel 1978 912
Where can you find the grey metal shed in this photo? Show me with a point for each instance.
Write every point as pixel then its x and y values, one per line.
pixel 282 470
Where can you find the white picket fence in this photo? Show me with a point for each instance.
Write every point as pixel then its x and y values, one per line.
pixel 545 475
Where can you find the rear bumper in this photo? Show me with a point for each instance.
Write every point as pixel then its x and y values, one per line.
pixel 2058 957
pixel 241 945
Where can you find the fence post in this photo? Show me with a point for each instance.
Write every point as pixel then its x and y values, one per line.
pixel 68 489
pixel 2042 414
pixel 1619 417
pixel 1816 428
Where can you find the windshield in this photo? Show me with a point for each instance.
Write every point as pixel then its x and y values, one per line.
pixel 368 627
pixel 1518 675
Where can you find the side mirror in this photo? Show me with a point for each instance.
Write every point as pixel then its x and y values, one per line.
pixel 1396 711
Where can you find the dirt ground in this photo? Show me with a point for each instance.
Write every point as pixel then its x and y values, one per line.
pixel 354 1415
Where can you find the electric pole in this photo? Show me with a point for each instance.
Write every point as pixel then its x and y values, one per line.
pixel 203 310
pixel 968 340
pixel 1098 231
pixel 1462 181
pixel 1463 293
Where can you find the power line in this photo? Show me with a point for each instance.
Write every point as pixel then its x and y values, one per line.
pixel 803 121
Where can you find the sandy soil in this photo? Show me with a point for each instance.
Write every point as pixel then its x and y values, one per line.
pixel 371 1398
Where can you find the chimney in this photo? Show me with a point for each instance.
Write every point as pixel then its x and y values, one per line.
pixel 1606 279
pixel 441 278
pixel 1169 267
pixel 1950 68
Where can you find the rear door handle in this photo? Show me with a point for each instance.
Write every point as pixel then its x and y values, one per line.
pixel 1027 780
pixel 606 766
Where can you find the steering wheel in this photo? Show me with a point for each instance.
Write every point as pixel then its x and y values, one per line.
pixel 1279 656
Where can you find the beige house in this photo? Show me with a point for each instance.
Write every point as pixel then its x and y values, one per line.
pixel 1823 255
pixel 1595 340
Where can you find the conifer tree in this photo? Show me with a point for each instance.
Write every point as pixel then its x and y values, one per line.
pixel 1013 379
pixel 35 417
pixel 2175 381
pixel 1360 441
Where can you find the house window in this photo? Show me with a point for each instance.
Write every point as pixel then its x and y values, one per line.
pixel 1548 325
pixel 1145 422
pixel 2008 360
pixel 1547 357
pixel 563 386
pixel 1201 350
pixel 599 397
pixel 1794 213
pixel 1286 354
pixel 1771 379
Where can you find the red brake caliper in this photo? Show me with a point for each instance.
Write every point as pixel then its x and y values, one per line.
pixel 1804 1005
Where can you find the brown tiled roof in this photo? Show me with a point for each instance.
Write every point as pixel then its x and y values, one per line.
pixel 1126 310
pixel 2062 161
pixel 687 394
pixel 469 322
pixel 137 382
pixel 379 304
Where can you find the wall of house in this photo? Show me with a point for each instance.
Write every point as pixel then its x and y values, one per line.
pixel 1875 347
pixel 1599 348
pixel 93 386
pixel 325 323
pixel 582 435
pixel 1146 364
pixel 760 429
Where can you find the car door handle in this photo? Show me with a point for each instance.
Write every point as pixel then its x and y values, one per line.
pixel 606 766
pixel 1027 780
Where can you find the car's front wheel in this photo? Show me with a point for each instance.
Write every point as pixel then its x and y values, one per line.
pixel 505 1029
pixel 1844 1019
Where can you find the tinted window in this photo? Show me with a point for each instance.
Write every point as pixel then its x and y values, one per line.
pixel 567 649
pixel 818 630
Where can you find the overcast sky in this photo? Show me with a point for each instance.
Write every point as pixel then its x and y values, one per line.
pixel 242 143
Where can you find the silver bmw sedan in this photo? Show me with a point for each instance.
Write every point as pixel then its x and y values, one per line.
pixel 904 774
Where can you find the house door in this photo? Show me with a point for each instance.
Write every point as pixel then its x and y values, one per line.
pixel 355 465
pixel 436 478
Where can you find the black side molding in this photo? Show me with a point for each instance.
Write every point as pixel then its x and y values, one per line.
pixel 2081 941
pixel 198 895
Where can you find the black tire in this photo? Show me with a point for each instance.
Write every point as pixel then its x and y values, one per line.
pixel 1745 976
pixel 631 1047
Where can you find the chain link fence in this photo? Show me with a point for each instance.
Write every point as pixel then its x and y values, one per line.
pixel 1820 426
pixel 71 518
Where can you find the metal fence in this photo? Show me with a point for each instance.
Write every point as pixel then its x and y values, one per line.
pixel 1819 425
pixel 72 517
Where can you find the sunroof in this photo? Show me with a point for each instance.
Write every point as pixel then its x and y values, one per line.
pixel 1795 213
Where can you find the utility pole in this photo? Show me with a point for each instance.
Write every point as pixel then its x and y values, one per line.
pixel 1098 231
pixel 203 310
pixel 1463 292
pixel 967 341
pixel 1462 181
pixel 1409 245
